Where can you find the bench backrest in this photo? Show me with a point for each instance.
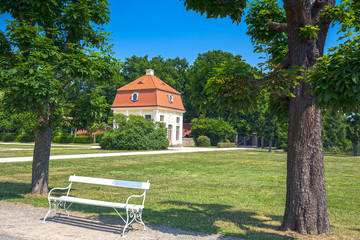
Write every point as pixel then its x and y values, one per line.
pixel 110 182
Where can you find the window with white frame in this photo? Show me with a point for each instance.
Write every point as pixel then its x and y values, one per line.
pixel 162 118
pixel 134 96
pixel 147 116
pixel 177 120
pixel 171 98
pixel 177 132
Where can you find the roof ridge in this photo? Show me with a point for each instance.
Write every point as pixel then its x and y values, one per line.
pixel 151 76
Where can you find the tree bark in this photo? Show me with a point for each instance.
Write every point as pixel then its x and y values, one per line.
pixel 42 148
pixel 356 147
pixel 262 141
pixel 270 144
pixel 306 206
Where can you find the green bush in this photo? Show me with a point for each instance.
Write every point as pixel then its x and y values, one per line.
pixel 284 146
pixel 334 149
pixel 135 133
pixel 1 137
pixel 25 138
pixel 63 138
pixel 84 138
pixel 217 129
pixel 10 137
pixel 203 141
pixel 226 145
pixel 98 137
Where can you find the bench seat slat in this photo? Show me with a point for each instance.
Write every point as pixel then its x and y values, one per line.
pixel 110 182
pixel 96 202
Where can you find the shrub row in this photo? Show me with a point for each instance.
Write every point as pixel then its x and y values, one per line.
pixel 62 138
pixel 80 138
pixel 13 137
pixel 226 145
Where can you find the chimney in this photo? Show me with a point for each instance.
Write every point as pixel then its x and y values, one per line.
pixel 149 72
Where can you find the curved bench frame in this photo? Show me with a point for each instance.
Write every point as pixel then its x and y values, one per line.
pixel 133 212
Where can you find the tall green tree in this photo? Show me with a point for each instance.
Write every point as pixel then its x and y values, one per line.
pixel 293 34
pixel 173 71
pixel 50 48
pixel 353 131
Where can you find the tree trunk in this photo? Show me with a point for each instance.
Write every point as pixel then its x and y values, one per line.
pixel 306 206
pixel 356 147
pixel 270 144
pixel 94 138
pixel 262 141
pixel 40 167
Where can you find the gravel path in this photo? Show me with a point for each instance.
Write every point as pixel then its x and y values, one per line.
pixel 19 222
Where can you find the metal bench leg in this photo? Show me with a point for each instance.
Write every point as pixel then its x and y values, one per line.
pixel 66 208
pixel 126 223
pixel 138 218
pixel 55 206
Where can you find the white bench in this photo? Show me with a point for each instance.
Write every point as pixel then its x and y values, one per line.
pixel 133 212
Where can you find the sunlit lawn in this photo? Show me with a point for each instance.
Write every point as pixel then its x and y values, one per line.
pixel 237 193
pixel 26 150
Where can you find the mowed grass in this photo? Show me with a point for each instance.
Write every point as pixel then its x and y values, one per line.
pixel 27 150
pixel 237 193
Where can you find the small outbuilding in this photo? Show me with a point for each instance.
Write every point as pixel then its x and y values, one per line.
pixel 152 98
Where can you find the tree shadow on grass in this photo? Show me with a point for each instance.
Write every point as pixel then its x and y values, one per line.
pixel 215 218
pixel 10 190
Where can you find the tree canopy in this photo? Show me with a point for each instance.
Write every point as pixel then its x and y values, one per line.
pixel 50 51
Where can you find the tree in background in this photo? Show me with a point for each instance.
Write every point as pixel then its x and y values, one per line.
pixel 172 71
pixel 217 129
pixel 334 134
pixel 293 35
pixel 48 50
pixel 353 131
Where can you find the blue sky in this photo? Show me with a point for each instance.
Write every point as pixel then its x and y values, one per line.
pixel 164 27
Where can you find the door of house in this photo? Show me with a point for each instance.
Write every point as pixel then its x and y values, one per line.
pixel 169 133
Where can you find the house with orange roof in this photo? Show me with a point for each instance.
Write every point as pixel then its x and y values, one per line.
pixel 150 97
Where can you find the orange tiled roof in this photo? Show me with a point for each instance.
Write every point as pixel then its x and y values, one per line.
pixel 152 93
pixel 148 82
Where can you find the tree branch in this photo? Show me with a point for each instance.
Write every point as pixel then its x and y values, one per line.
pixel 275 26
pixel 69 107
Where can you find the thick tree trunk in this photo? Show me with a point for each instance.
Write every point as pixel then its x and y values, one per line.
pixel 262 142
pixel 270 145
pixel 40 167
pixel 306 206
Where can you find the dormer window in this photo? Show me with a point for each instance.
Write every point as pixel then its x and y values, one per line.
pixel 134 96
pixel 171 98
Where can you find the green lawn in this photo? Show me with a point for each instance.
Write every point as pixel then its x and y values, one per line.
pixel 26 150
pixel 238 193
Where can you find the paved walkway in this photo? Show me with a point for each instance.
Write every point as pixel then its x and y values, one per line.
pixel 94 155
pixel 24 222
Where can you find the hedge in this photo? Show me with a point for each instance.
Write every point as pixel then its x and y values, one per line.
pixel 10 137
pixel 83 138
pixel 25 138
pixel 226 145
pixel 63 138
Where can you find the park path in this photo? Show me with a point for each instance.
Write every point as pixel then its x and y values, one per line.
pixel 94 155
pixel 24 222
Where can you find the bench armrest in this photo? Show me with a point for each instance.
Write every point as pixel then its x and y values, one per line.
pixel 57 188
pixel 138 196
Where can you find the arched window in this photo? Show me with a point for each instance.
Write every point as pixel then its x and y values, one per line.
pixel 134 96
pixel 171 98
